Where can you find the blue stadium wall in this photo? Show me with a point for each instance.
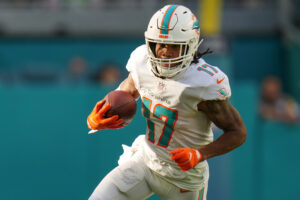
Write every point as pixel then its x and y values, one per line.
pixel 46 152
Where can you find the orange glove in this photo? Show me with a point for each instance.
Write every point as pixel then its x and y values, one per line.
pixel 186 158
pixel 97 121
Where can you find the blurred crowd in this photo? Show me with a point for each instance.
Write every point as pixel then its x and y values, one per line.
pixel 57 4
pixel 275 105
pixel 77 72
pixel 108 74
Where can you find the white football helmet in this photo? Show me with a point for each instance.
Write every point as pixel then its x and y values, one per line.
pixel 173 24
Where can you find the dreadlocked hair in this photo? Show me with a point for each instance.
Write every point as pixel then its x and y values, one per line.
pixel 200 54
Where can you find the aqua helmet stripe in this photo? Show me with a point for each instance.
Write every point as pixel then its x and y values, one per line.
pixel 164 31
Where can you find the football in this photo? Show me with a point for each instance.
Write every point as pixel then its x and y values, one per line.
pixel 122 104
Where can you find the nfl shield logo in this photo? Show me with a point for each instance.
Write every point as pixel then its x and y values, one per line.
pixel 161 85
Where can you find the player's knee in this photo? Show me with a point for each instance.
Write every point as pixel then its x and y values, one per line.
pixel 127 176
pixel 120 182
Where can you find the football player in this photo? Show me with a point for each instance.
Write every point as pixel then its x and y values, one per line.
pixel 181 97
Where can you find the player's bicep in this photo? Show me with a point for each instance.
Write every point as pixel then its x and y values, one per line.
pixel 128 86
pixel 222 114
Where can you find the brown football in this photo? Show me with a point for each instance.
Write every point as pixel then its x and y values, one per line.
pixel 122 104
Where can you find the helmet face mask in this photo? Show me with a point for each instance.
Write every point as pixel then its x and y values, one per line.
pixel 172 25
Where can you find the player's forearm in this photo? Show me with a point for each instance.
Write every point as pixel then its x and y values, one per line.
pixel 225 143
pixel 128 86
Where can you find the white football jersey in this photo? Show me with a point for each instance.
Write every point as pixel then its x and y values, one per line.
pixel 173 120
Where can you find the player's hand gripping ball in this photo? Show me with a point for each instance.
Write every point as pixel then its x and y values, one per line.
pixel 97 120
pixel 116 110
pixel 122 104
pixel 186 158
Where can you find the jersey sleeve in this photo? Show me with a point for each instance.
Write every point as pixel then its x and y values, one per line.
pixel 217 89
pixel 130 66
pixel 133 64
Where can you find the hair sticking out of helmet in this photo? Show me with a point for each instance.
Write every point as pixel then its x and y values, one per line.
pixel 172 25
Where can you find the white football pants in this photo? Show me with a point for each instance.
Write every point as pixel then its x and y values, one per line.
pixel 133 180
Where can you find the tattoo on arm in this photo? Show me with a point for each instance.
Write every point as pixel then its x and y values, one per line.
pixel 226 117
pixel 222 113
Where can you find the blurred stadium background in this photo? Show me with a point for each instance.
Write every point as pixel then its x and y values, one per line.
pixel 52 50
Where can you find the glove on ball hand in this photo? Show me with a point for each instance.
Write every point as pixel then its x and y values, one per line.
pixel 97 121
pixel 186 158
